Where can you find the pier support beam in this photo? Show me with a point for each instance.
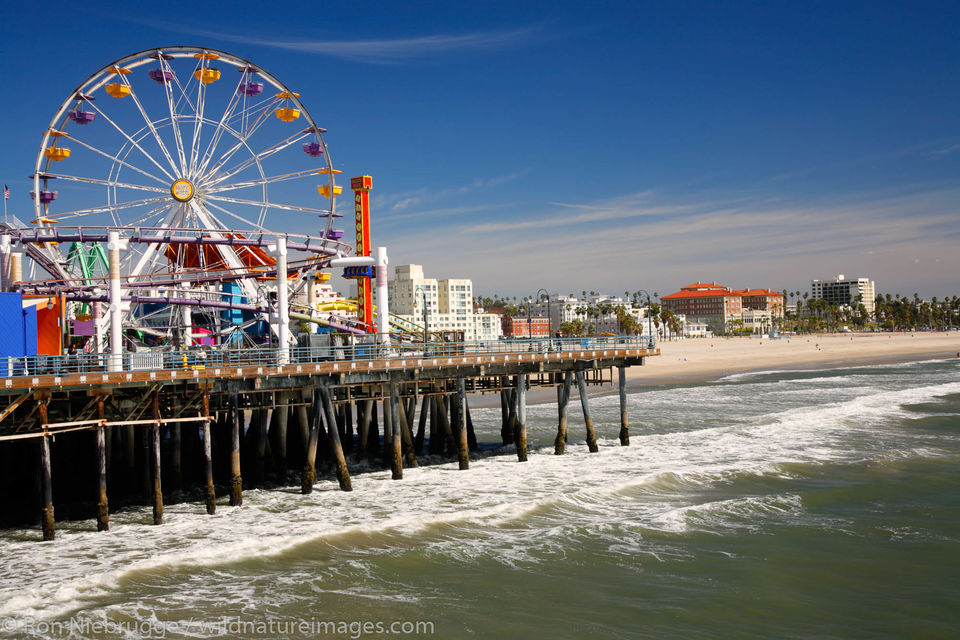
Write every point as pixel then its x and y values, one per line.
pixel 309 475
pixel 563 401
pixel 103 508
pixel 506 435
pixel 463 446
pixel 521 424
pixel 236 480
pixel 406 417
pixel 47 523
pixel 280 438
pixel 471 435
pixel 421 426
pixel 365 414
pixel 588 421
pixel 443 420
pixel 156 490
pixel 333 436
pixel 395 435
pixel 624 429
pixel 176 454
pixel 209 492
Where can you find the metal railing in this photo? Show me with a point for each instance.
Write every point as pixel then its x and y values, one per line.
pixel 202 358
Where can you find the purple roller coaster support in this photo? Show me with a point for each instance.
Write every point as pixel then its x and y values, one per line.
pixel 160 76
pixel 82 117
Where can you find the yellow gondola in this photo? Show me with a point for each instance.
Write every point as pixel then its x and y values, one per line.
pixel 324 190
pixel 286 114
pixel 45 220
pixel 329 171
pixel 206 76
pixel 322 277
pixel 117 90
pixel 206 56
pixel 119 70
pixel 286 95
pixel 57 153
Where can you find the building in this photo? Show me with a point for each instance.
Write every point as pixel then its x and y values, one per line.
pixel 763 300
pixel 525 327
pixel 708 303
pixel 448 304
pixel 843 292
pixel 561 308
pixel 719 307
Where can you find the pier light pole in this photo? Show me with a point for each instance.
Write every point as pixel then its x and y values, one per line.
pixel 549 317
pixel 649 319
pixel 426 330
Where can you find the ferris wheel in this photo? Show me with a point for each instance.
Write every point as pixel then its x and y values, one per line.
pixel 201 159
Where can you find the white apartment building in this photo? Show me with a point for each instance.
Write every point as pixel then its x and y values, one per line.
pixel 448 304
pixel 843 292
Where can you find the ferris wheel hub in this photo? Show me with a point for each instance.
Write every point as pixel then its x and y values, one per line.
pixel 182 190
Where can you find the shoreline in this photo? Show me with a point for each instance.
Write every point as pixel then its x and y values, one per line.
pixel 697 360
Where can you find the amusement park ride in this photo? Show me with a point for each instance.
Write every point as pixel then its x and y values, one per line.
pixel 160 190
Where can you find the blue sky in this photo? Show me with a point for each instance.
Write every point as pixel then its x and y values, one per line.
pixel 608 145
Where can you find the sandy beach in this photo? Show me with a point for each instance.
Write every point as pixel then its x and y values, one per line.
pixel 698 359
pixel 716 357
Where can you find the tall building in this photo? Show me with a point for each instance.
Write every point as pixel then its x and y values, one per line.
pixel 448 304
pixel 843 292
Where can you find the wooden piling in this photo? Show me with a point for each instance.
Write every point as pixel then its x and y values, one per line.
pixel 624 430
pixel 209 493
pixel 282 413
pixel 563 401
pixel 155 488
pixel 373 438
pixel 343 474
pixel 588 421
pixel 176 455
pixel 103 508
pixel 522 417
pixel 445 427
pixel 309 475
pixel 436 440
pixel 260 420
pixel 463 446
pixel 365 414
pixel 506 433
pixel 396 437
pixel 236 480
pixel 47 523
pixel 512 417
pixel 421 426
pixel 471 434
pixel 405 415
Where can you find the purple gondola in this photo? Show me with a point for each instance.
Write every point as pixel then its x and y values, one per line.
pixel 82 117
pixel 313 149
pixel 160 76
pixel 250 88
pixel 45 196
pixel 334 234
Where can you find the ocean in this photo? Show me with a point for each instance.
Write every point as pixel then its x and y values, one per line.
pixel 792 504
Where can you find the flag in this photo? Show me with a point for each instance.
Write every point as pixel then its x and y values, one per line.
pixel 6 192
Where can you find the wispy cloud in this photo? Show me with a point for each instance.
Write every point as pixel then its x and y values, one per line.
pixel 665 242
pixel 377 51
pixel 407 200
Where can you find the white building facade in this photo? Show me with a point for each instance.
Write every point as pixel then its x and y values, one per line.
pixel 448 304
pixel 843 292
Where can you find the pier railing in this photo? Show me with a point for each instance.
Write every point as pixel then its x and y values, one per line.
pixel 200 358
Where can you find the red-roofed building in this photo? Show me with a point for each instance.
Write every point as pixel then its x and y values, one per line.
pixel 717 305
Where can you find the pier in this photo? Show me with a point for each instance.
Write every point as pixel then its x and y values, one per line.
pixel 77 439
